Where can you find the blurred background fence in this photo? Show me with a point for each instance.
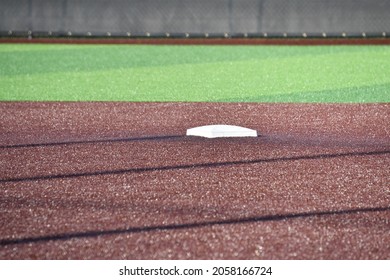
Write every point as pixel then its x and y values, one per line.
pixel 159 17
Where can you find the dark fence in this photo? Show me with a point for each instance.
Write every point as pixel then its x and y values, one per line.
pixel 194 17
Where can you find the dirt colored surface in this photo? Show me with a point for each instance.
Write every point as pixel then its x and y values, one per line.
pixel 122 181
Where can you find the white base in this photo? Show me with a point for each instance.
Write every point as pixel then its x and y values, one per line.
pixel 215 131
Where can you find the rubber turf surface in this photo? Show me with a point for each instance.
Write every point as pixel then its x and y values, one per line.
pixel 121 181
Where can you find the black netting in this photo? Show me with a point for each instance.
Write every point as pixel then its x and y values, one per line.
pixel 195 16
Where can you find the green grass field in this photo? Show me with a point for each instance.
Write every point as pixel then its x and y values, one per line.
pixel 31 72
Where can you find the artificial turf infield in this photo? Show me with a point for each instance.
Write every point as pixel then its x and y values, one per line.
pixel 33 72
pixel 120 180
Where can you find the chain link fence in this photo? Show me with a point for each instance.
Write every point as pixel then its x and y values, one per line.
pixel 193 18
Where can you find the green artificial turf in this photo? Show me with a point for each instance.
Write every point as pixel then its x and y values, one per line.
pixel 194 73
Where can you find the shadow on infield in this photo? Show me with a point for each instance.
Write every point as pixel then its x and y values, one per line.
pixel 190 166
pixel 131 230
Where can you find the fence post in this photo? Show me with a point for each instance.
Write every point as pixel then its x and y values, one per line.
pixel 260 7
pixel 230 16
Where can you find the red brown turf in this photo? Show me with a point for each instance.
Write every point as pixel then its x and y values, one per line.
pixel 122 181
